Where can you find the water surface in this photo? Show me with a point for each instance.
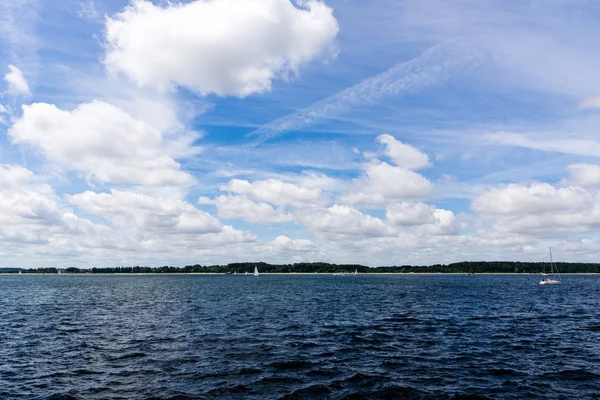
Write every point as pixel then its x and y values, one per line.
pixel 298 336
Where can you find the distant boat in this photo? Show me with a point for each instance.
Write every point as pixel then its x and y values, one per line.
pixel 470 273
pixel 356 272
pixel 548 279
pixel 255 271
pixel 20 272
pixel 246 273
pixel 235 272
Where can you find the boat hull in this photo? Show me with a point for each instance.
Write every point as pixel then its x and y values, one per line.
pixel 550 282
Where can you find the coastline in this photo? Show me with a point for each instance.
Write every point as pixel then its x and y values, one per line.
pixel 288 273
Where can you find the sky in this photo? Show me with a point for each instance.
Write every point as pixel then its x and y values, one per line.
pixel 214 131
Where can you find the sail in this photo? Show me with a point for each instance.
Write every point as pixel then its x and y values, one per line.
pixel 549 279
pixel 255 271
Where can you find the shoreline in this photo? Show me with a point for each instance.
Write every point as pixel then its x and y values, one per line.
pixel 288 273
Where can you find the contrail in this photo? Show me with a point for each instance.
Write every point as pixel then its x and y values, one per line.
pixel 435 65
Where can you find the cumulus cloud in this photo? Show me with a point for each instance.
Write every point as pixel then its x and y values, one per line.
pixel 241 207
pixel 100 141
pixel 168 226
pixel 383 184
pixel 537 198
pixel 422 219
pixel 38 227
pixel 129 209
pixel 409 214
pixel 225 47
pixel 539 209
pixel 283 244
pixel 403 155
pixel 31 214
pixel 339 222
pixel 585 175
pixel 17 84
pixel 275 191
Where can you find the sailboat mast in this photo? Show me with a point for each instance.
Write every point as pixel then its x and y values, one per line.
pixel 550 248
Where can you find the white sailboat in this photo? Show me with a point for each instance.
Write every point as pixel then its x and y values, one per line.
pixel 548 279
pixel 356 272
pixel 255 271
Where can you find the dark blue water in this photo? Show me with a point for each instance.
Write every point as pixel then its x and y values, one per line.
pixel 294 337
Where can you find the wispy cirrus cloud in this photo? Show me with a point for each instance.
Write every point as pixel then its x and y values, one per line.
pixel 547 142
pixel 437 64
pixel 17 21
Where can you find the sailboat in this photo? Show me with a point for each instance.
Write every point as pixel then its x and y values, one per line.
pixel 255 271
pixel 20 272
pixel 356 272
pixel 549 279
pixel 470 273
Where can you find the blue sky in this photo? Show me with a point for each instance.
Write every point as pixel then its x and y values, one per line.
pixel 218 131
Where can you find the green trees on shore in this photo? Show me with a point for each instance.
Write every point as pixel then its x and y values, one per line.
pixel 321 267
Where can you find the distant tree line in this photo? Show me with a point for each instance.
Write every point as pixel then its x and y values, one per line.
pixel 324 268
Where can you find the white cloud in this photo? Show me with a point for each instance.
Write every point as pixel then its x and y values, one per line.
pixel 315 180
pixel 283 244
pixel 585 175
pixel 17 84
pixel 102 142
pixel 539 210
pixel 12 176
pixel 275 191
pixel 226 47
pixel 445 224
pixel 147 213
pixel 38 228
pixel 409 214
pixel 537 198
pixel 339 222
pixel 241 207
pixel 403 155
pixel 422 219
pixel 383 184
pixel 31 214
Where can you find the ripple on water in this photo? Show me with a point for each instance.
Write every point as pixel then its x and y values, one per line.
pixel 297 337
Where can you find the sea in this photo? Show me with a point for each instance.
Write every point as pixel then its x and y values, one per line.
pixel 366 336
